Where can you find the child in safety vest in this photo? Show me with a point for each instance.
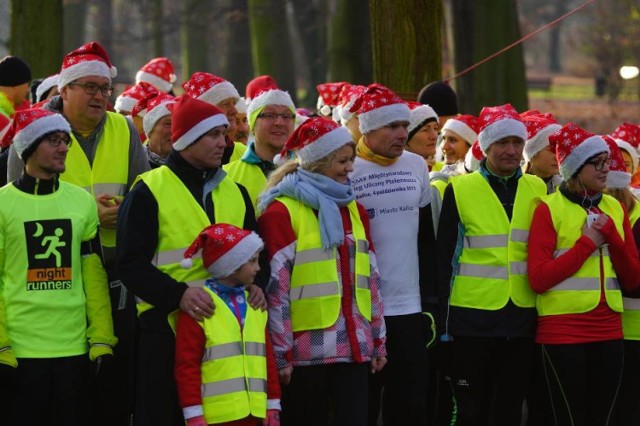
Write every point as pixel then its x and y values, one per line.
pixel 224 367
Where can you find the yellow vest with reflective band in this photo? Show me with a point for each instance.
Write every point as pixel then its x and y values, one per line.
pixel 181 219
pixel 248 175
pixel 234 365
pixel 492 267
pixel 440 185
pixel 238 151
pixel 581 292
pixel 315 291
pixel 631 314
pixel 109 172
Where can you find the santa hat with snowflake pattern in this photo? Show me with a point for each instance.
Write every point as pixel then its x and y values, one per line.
pixel 574 146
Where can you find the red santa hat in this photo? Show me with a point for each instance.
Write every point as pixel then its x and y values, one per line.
pixel 539 128
pixel 473 157
pixel 379 106
pixel 191 118
pixel 5 124
pixel 465 126
pixel 32 124
pixel 627 136
pixel 348 95
pixel 158 72
pixel 316 138
pixel 46 85
pixel 420 115
pixel 270 97
pixel 241 106
pixel 618 177
pixel 87 60
pixel 499 122
pixel 259 85
pixel 156 109
pixel 225 248
pixel 329 96
pixel 574 146
pixel 128 99
pixel 209 88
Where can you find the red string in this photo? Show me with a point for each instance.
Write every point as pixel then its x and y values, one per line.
pixel 523 39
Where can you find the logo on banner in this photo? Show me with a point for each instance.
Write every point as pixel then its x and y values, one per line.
pixel 49 254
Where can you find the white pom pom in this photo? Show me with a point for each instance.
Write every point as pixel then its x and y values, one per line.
pixel 325 110
pixel 186 263
pixel 113 71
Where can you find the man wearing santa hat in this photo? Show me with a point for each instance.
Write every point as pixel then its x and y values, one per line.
pixel 160 217
pixel 482 244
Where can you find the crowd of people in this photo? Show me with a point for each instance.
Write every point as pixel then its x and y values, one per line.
pixel 213 259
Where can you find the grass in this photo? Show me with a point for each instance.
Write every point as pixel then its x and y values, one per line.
pixel 582 90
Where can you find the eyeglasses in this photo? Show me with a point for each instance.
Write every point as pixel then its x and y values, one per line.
pixel 55 140
pixel 272 116
pixel 93 88
pixel 599 164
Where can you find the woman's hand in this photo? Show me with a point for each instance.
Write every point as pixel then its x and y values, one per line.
pixel 285 375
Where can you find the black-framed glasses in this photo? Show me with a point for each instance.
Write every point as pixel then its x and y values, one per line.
pixel 55 141
pixel 272 116
pixel 599 164
pixel 93 88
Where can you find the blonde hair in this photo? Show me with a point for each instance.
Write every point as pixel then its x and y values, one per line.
pixel 625 196
pixel 318 166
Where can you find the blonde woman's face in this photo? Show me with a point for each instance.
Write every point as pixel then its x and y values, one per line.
pixel 341 165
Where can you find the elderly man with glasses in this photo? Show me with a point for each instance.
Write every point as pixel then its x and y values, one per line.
pixel 104 159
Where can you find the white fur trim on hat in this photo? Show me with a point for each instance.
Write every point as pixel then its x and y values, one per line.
pixel 345 114
pixel 200 129
pixel 152 117
pixel 539 142
pixel 380 117
pixel 124 103
pixel 85 69
pixel 461 129
pixel 324 145
pixel 241 106
pixel 501 129
pixel 38 128
pixel 419 115
pixel 618 179
pixel 48 83
pixel 589 147
pixel 237 256
pixel 628 148
pixel 159 83
pixel 471 163
pixel 219 93
pixel 271 97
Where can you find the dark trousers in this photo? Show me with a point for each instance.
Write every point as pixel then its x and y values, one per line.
pixel 316 391
pixel 628 411
pixel 537 397
pixel 156 392
pixel 584 381
pixel 51 391
pixel 489 377
pixel 114 395
pixel 440 402
pixel 401 387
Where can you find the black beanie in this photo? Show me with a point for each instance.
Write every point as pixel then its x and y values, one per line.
pixel 14 71
pixel 439 96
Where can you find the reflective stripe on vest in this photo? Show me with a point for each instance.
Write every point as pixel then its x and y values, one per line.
pixel 581 292
pixel 234 382
pixel 181 219
pixel 109 171
pixel 248 175
pixel 492 266
pixel 315 291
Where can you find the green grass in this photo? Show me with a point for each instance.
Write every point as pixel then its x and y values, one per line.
pixel 583 92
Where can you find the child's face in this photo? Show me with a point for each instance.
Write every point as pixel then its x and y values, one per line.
pixel 247 272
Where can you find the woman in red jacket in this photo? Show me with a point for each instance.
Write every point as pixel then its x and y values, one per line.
pixel 581 253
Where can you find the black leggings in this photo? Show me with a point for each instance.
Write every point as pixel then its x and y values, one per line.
pixel 583 381
pixel 628 404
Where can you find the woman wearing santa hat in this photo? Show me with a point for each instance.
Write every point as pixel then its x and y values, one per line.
pixel 325 312
pixel 582 256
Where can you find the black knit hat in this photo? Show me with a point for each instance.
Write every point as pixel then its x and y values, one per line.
pixel 14 71
pixel 439 96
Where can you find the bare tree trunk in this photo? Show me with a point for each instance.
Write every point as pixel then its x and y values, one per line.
pixel 236 64
pixel 36 34
pixel 349 42
pixel 193 34
pixel 406 43
pixel 270 43
pixel 156 23
pixel 104 30
pixel 75 16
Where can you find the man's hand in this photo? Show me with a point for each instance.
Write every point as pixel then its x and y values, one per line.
pixel 377 364
pixel 256 298
pixel 197 303
pixel 273 418
pixel 108 210
pixel 285 375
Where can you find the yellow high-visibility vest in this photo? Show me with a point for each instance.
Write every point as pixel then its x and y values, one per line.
pixel 631 313
pixel 315 291
pixel 492 267
pixel 234 365
pixel 581 292
pixel 248 175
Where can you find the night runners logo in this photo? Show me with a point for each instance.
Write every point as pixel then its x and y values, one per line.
pixel 49 252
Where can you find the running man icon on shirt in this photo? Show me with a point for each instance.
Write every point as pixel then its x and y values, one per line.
pixel 54 243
